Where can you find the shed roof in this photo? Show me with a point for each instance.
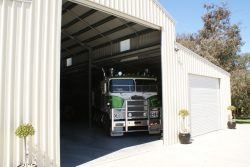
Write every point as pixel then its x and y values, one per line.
pixel 150 11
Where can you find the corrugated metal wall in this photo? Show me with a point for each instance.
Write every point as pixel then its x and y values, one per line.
pixel 190 63
pixel 30 71
pixel 146 12
pixel 142 41
pixel 29 75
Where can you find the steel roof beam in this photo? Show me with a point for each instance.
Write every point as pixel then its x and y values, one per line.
pixel 129 26
pixel 76 40
pixel 86 23
pixel 83 16
pixel 97 24
pixel 68 5
pixel 81 52
pixel 142 32
pixel 68 51
pixel 151 49
pixel 109 32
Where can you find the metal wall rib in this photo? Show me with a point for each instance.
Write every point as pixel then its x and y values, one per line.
pixel 189 62
pixel 146 12
pixel 30 71
pixel 141 41
pixel 29 74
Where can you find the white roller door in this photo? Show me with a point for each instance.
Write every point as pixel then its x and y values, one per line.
pixel 204 104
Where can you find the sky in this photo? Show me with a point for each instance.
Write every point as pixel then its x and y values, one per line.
pixel 187 15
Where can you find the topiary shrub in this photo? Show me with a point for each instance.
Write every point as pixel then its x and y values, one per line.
pixel 184 113
pixel 23 131
pixel 232 109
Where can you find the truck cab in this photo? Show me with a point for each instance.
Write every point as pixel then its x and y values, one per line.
pixel 130 103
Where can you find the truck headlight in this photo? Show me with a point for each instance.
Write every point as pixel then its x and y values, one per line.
pixel 154 114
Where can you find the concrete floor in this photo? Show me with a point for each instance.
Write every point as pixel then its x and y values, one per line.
pixel 225 148
pixel 80 145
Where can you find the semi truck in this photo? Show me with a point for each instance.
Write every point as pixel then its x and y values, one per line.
pixel 129 103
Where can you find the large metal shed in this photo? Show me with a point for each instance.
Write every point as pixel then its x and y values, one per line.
pixel 32 34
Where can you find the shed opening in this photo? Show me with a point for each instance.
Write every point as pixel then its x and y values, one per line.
pixel 93 42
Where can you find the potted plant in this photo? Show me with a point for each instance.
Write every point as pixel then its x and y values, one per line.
pixel 184 134
pixel 231 124
pixel 23 131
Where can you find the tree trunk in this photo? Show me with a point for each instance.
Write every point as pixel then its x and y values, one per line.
pixel 25 152
pixel 183 124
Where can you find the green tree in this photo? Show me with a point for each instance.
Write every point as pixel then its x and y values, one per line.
pixel 219 41
pixel 240 85
pixel 189 41
pixel 243 61
pixel 240 89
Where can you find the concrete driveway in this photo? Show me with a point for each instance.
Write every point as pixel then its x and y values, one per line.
pixel 80 145
pixel 225 148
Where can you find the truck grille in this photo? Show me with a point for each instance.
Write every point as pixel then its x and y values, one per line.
pixel 137 109
pixel 137 103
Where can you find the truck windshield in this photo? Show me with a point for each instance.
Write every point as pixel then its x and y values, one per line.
pixel 122 85
pixel 146 85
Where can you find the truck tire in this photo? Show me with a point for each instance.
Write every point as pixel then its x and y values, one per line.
pixel 107 124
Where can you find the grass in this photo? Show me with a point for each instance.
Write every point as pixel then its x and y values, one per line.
pixel 243 120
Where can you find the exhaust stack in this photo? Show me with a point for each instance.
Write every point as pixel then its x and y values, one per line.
pixel 111 71
pixel 104 74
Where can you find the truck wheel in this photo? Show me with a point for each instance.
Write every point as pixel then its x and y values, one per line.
pixel 107 124
pixel 100 119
